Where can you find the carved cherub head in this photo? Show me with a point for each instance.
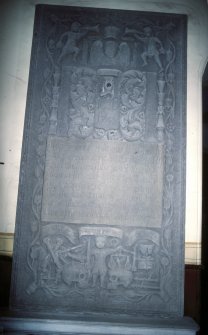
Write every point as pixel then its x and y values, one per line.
pixel 147 31
pixel 100 241
pixel 75 27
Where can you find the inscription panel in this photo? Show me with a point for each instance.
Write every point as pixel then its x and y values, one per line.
pixel 103 182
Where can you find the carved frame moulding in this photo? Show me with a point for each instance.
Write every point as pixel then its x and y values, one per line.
pixel 100 215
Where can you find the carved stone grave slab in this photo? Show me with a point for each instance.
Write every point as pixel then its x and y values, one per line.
pixel 100 215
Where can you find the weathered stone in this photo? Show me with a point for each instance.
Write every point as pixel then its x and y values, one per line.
pixel 100 217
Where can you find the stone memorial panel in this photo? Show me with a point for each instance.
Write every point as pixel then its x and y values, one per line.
pixel 100 215
pixel 85 181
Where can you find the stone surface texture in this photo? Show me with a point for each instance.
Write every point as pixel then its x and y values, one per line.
pixel 100 215
pixel 129 326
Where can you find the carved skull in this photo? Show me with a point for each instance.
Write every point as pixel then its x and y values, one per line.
pixel 118 277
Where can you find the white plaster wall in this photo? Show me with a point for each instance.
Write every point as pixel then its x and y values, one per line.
pixel 16 26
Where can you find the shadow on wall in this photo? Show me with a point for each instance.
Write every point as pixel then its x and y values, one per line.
pixel 5 280
pixel 204 277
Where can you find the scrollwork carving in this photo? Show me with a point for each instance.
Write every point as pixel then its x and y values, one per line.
pixel 82 97
pixel 133 96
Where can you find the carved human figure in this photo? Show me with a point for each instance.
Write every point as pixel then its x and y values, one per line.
pixel 72 37
pixel 55 246
pixel 40 263
pixel 152 46
pixel 99 253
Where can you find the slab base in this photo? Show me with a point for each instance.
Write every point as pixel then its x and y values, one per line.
pixel 87 325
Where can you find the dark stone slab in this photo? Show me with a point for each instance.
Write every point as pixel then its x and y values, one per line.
pixel 100 215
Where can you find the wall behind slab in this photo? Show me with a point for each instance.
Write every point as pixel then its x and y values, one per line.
pixel 16 26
